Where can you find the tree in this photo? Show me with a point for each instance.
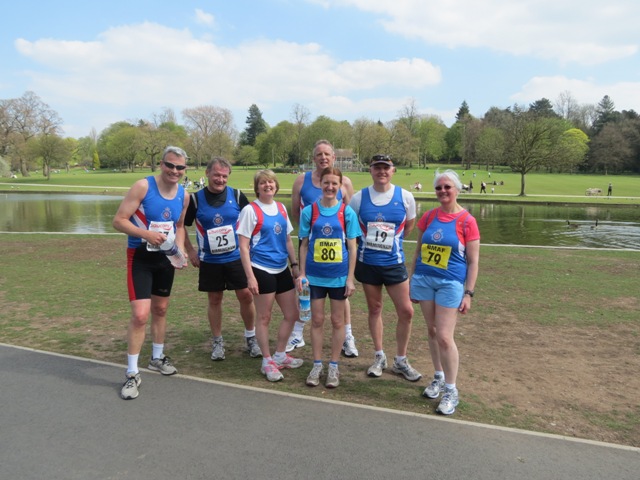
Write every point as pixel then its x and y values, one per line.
pixel 463 111
pixel 300 116
pixel 431 132
pixel 255 126
pixel 211 133
pixel 543 108
pixel 20 120
pixel 530 142
pixel 277 145
pixel 605 113
pixel 573 146
pixel 610 149
pixel 490 146
pixel 52 150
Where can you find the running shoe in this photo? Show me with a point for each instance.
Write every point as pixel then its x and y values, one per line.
pixel 295 341
pixel 349 347
pixel 379 364
pixel 289 362
pixel 272 372
pixel 448 403
pixel 313 380
pixel 162 365
pixel 406 370
pixel 435 388
pixel 130 388
pixel 333 377
pixel 252 347
pixel 217 351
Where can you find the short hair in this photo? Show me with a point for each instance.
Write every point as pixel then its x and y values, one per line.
pixel 223 162
pixel 331 171
pixel 176 151
pixel 449 174
pixel 323 142
pixel 264 175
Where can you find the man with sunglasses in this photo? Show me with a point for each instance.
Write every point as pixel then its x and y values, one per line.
pixel 152 211
pixel 386 213
pixel 215 210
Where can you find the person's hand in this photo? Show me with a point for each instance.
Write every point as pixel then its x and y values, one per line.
pixel 465 305
pixel 349 288
pixel 252 285
pixel 155 238
pixel 194 258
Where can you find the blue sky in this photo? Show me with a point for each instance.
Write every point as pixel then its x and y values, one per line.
pixel 98 62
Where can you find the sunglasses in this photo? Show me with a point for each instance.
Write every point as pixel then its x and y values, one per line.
pixel 171 166
pixel 446 187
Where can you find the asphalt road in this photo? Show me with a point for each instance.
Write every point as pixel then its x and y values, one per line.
pixel 62 418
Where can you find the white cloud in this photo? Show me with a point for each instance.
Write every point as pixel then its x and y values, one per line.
pixel 150 65
pixel 624 94
pixel 587 32
pixel 204 18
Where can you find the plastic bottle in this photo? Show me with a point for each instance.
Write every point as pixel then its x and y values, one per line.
pixel 175 256
pixel 171 250
pixel 304 299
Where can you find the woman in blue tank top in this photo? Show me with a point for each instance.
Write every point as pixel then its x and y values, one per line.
pixel 443 282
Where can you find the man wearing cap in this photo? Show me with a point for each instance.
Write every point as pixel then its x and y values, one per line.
pixel 386 213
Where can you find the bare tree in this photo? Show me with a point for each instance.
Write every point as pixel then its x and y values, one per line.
pixel 300 116
pixel 22 119
pixel 211 132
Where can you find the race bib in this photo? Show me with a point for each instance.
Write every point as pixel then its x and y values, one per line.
pixel 327 250
pixel 436 255
pixel 380 236
pixel 221 239
pixel 167 229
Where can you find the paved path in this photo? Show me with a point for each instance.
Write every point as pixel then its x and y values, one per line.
pixel 62 418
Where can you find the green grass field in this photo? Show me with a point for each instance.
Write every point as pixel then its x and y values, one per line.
pixel 540 187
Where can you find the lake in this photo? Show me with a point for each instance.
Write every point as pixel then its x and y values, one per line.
pixel 501 224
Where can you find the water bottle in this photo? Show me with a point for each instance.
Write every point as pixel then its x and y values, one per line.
pixel 175 256
pixel 171 250
pixel 304 299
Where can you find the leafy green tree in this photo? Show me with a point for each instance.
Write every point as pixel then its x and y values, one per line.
pixel 573 146
pixel 247 154
pixel 51 150
pixel 277 145
pixel 431 132
pixel 490 146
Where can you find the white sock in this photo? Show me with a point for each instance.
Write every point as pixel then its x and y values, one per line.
pixel 347 329
pixel 157 349
pixel 132 363
pixel 450 386
pixel 380 352
pixel 279 356
pixel 439 374
pixel 298 327
pixel 400 358
pixel 249 333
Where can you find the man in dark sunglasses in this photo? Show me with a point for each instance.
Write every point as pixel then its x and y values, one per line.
pixel 151 214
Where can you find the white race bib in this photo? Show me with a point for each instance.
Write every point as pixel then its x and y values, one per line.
pixel 221 239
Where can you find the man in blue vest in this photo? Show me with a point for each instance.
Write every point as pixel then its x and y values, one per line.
pixel 215 210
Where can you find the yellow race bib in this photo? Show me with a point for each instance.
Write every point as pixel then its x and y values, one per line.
pixel 435 255
pixel 327 250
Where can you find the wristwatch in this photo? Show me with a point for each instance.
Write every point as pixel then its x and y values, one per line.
pixel 469 292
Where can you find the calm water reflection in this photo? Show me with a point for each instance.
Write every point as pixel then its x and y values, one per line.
pixel 618 227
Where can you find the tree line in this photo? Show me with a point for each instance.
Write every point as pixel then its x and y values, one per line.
pixel 564 136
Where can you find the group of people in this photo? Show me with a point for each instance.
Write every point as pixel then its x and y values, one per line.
pixel 344 237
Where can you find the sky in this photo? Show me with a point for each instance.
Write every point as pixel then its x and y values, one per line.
pixel 97 62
